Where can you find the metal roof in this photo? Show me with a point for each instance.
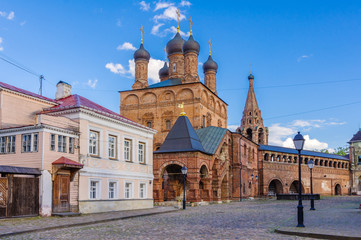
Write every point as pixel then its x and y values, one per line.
pixel 181 138
pixel 19 170
pixel 211 137
pixel 303 152
pixel 167 83
pixel 356 137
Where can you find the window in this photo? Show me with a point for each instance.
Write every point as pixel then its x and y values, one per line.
pixel 128 190
pixel 128 150
pixel 112 189
pixel 71 145
pixel 174 67
pixel 112 143
pixel 142 190
pixel 204 121
pixel 149 124
pixel 30 142
pixel 61 143
pixel 167 124
pixel 141 152
pixel 93 143
pixel 7 144
pixel 52 142
pixel 94 190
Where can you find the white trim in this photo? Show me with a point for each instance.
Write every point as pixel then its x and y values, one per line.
pixel 117 146
pixel 98 193
pixel 133 156
pixel 131 192
pixel 145 152
pixel 102 173
pixel 116 190
pixel 145 193
pixel 100 140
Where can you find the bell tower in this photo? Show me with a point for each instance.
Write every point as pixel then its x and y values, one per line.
pixel 252 123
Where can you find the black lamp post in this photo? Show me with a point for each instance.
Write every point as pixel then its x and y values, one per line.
pixel 240 182
pixel 311 164
pixel 184 172
pixel 298 140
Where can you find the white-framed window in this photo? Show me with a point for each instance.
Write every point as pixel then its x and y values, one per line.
pixel 112 146
pixel 141 152
pixel 94 189
pixel 142 190
pixel 94 143
pixel 128 149
pixel 52 142
pixel 30 142
pixel 128 190
pixel 7 144
pixel 112 189
pixel 61 143
pixel 71 145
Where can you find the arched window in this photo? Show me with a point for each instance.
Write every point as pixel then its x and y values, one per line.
pixel 167 124
pixel 174 67
pixel 149 124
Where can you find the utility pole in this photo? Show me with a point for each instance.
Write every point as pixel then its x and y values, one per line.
pixel 41 84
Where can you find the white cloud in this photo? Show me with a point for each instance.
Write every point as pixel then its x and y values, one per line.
pixel 277 134
pixel 161 5
pixel 22 23
pixel 1 47
pixel 3 14
pixel 310 144
pixel 144 6
pixel 116 68
pixel 92 83
pixel 185 3
pixel 155 28
pixel 200 64
pixel 126 46
pixel 119 23
pixel 172 30
pixel 232 128
pixel 153 69
pixel 169 13
pixel 11 15
pixel 303 57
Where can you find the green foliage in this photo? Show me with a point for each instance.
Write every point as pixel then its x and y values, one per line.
pixel 342 151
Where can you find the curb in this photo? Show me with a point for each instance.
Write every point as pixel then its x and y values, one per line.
pixel 82 223
pixel 316 235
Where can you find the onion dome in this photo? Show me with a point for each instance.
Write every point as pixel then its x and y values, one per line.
pixel 210 65
pixel 191 46
pixel 175 45
pixel 141 53
pixel 164 71
pixel 250 76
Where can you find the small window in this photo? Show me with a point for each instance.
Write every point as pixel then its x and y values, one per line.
pixel 112 144
pixel 71 145
pixel 30 142
pixel 167 124
pixel 174 67
pixel 52 142
pixel 359 160
pixel 7 144
pixel 141 152
pixel 128 190
pixel 149 124
pixel 94 190
pixel 249 121
pixel 250 113
pixel 61 143
pixel 142 190
pixel 128 150
pixel 203 121
pixel 112 189
pixel 93 143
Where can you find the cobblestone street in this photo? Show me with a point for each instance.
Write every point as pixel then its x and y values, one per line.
pixel 250 219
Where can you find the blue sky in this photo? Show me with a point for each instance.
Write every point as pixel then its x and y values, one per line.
pixel 306 55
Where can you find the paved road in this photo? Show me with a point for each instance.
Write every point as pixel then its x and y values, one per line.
pixel 252 219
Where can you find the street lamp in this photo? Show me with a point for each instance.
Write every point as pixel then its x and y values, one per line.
pixel 311 164
pixel 240 182
pixel 298 140
pixel 184 172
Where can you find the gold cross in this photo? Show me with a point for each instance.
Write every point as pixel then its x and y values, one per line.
pixel 181 106
pixel 165 53
pixel 191 22
pixel 178 16
pixel 210 46
pixel 141 33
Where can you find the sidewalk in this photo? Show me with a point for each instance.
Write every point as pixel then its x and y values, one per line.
pixel 16 226
pixel 328 221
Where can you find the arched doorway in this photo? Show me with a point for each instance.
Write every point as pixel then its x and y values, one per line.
pixel 337 189
pixel 260 136
pixel 294 187
pixel 275 187
pixel 224 189
pixel 249 134
pixel 172 183
pixel 204 193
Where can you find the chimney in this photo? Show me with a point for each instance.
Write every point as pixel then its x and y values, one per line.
pixel 63 90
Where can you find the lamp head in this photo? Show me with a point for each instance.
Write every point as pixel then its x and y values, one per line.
pixel 184 170
pixel 311 164
pixel 299 141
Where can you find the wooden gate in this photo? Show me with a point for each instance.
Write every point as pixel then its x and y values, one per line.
pixel 3 196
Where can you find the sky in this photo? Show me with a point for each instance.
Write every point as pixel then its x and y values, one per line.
pixel 305 55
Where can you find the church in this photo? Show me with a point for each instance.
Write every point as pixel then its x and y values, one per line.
pixel 191 123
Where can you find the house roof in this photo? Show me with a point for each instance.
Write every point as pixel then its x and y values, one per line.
pixel 19 90
pixel 181 138
pixel 19 170
pixel 303 152
pixel 66 161
pixel 76 101
pixel 167 83
pixel 356 137
pixel 211 137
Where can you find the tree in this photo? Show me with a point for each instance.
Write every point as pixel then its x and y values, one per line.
pixel 342 151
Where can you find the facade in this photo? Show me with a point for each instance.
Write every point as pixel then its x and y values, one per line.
pixel 355 163
pixel 90 158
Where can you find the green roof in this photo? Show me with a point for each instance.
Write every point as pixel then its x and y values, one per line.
pixel 211 137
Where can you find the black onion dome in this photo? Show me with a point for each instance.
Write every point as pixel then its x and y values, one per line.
pixel 141 53
pixel 210 65
pixel 191 46
pixel 164 71
pixel 175 45
pixel 251 76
